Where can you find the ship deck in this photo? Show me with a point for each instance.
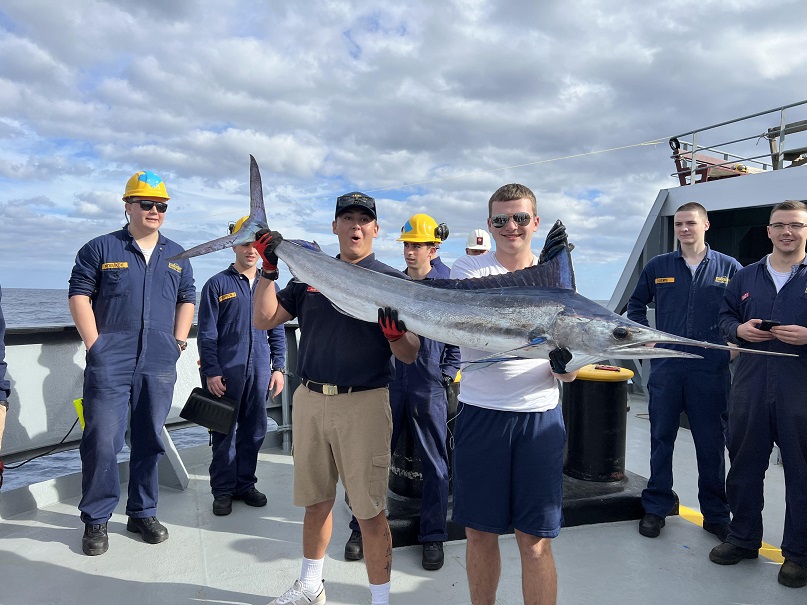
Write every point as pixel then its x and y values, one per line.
pixel 253 555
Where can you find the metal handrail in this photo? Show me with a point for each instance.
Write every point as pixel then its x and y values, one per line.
pixel 777 162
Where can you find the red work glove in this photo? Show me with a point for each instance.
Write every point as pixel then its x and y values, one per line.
pixel 392 327
pixel 265 243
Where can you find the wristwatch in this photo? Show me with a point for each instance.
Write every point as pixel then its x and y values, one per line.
pixel 272 275
pixel 182 344
pixel 281 370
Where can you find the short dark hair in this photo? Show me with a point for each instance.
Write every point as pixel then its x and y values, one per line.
pixel 513 191
pixel 790 205
pixel 693 207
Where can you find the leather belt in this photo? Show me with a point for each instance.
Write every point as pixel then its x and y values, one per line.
pixel 333 389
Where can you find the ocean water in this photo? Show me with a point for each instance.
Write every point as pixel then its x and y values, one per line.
pixel 35 308
pixel 39 308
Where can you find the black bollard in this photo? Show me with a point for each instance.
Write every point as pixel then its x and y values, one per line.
pixel 595 409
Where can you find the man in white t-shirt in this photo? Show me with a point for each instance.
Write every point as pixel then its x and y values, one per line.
pixel 509 435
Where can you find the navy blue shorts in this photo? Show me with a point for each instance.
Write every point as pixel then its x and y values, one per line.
pixel 508 470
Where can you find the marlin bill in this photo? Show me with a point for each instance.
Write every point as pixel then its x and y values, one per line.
pixel 526 313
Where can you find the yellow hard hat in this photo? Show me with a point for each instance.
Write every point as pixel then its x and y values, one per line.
pixel 423 228
pixel 145 184
pixel 236 226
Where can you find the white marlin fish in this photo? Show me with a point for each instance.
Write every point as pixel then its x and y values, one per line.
pixel 526 313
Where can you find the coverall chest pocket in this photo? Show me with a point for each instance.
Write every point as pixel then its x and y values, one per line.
pixel 665 294
pixel 171 285
pixel 114 282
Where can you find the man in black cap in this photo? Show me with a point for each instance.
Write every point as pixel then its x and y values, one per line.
pixel 341 420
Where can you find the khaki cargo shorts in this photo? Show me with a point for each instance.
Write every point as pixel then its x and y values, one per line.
pixel 343 437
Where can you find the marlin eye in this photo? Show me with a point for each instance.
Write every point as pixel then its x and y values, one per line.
pixel 620 333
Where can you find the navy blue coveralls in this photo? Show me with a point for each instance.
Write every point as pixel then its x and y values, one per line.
pixel 132 364
pixel 439 268
pixel 768 404
pixel 5 385
pixel 418 397
pixel 687 305
pixel 230 346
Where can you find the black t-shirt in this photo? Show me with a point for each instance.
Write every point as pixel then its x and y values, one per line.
pixel 335 348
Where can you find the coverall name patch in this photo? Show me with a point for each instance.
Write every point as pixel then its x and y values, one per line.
pixel 721 279
pixel 227 296
pixel 175 267
pixel 665 280
pixel 108 266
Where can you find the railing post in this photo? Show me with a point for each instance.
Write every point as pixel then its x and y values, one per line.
pixel 780 156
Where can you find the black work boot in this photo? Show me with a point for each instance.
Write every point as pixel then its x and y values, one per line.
pixel 650 525
pixel 354 550
pixel 222 505
pixel 793 575
pixel 95 540
pixel 730 554
pixel 721 530
pixel 432 555
pixel 252 497
pixel 152 530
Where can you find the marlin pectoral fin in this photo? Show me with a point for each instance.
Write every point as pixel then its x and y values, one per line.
pixel 579 360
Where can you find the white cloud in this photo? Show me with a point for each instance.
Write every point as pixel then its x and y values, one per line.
pixel 429 106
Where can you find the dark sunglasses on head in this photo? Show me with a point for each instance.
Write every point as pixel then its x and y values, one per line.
pixel 519 218
pixel 147 205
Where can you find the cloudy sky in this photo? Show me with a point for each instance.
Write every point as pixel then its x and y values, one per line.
pixel 428 106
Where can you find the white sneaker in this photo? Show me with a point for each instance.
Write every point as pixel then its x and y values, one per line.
pixel 297 596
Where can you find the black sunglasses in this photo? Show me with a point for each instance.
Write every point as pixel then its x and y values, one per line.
pixel 147 205
pixel 519 218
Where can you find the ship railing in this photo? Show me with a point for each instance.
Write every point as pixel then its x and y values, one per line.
pixel 731 158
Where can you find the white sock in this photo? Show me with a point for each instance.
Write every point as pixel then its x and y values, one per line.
pixel 380 593
pixel 311 576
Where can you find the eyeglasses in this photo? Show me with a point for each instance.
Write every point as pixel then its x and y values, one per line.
pixel 147 205
pixel 519 218
pixel 791 226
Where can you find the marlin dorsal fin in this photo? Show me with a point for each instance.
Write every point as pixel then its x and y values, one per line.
pixel 555 273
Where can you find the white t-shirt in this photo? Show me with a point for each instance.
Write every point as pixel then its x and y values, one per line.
pixel 147 252
pixel 779 278
pixel 518 385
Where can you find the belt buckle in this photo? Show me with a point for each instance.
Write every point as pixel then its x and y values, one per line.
pixel 330 389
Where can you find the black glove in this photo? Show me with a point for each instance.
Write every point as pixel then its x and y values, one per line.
pixel 392 327
pixel 265 243
pixel 556 241
pixel 558 358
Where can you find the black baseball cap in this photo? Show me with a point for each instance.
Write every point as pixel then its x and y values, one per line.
pixel 356 199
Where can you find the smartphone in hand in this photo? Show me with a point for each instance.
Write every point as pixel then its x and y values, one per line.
pixel 767 324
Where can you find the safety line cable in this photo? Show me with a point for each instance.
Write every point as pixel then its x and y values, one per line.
pixel 50 451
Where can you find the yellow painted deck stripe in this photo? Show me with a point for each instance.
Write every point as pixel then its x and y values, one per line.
pixel 769 552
